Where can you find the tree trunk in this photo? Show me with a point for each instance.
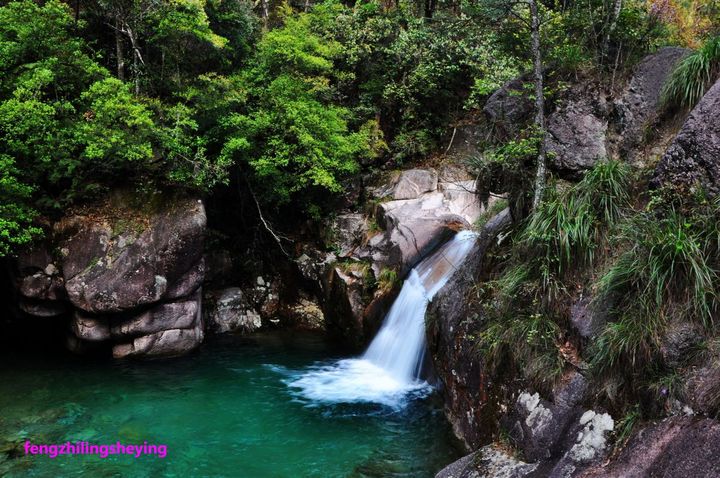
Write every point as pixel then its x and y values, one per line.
pixel 612 24
pixel 541 173
pixel 119 52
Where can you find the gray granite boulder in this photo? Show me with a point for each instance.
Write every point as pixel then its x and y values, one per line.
pixel 111 266
pixel 693 158
pixel 640 103
pixel 577 132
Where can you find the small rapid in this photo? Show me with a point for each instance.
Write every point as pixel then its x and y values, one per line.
pixel 390 371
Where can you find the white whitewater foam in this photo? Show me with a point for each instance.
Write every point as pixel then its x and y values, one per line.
pixel 390 369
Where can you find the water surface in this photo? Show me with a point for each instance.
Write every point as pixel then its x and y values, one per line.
pixel 226 410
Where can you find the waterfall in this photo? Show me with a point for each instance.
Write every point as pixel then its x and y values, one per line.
pixel 390 369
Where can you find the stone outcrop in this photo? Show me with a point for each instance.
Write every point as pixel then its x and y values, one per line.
pixel 229 310
pixel 577 131
pixel 412 227
pixel 640 104
pixel 455 360
pixel 677 446
pixel 693 158
pixel 131 280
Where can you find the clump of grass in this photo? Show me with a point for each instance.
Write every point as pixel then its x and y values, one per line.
pixel 668 268
pixel 528 344
pixel 387 280
pixel 562 235
pixel 566 229
pixel 693 76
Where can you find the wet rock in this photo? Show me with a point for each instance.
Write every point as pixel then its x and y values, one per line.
pixel 415 182
pixel 510 107
pixel 577 131
pixel 167 343
pixel 229 310
pixel 345 308
pixel 693 158
pixel 639 106
pixel 154 259
pixel 677 446
pixel 451 324
pixel 488 462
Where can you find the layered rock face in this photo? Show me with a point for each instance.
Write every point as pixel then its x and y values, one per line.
pixel 131 282
pixel 416 210
pixel 693 158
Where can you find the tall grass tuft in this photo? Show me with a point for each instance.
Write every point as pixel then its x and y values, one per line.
pixel 693 76
pixel 562 235
pixel 669 268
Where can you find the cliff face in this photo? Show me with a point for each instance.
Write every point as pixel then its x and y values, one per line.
pixel 563 434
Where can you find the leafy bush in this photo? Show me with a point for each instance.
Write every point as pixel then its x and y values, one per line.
pixel 693 76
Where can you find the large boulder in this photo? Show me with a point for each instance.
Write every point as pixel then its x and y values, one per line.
pixel 510 107
pixel 677 446
pixel 415 182
pixel 112 265
pixel 452 349
pixel 640 103
pixel 693 158
pixel 576 131
pixel 130 279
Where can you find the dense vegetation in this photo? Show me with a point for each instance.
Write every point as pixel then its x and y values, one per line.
pixel 284 107
pixel 284 104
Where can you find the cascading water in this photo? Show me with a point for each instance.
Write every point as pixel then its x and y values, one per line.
pixel 389 371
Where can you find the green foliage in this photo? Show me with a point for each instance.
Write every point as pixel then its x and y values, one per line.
pixel 693 76
pixel 561 235
pixel 387 280
pixel 16 216
pixel 295 140
pixel 524 344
